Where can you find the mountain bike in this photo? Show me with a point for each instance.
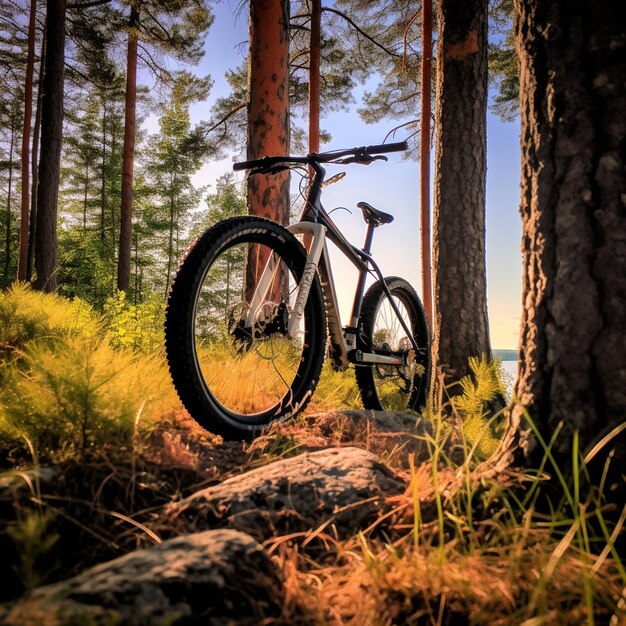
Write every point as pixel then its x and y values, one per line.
pixel 252 314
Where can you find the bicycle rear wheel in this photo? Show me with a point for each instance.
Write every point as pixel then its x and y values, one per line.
pixel 233 364
pixel 394 387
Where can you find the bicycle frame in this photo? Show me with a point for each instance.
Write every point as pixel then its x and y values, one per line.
pixel 318 224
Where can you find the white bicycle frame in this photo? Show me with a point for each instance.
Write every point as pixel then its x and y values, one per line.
pixel 343 343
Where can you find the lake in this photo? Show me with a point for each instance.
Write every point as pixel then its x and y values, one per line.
pixel 510 367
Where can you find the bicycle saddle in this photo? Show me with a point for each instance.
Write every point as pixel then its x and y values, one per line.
pixel 374 216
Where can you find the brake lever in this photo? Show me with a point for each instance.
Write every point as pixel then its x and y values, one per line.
pixel 333 179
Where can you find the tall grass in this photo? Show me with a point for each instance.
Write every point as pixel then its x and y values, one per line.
pixel 522 548
pixel 67 387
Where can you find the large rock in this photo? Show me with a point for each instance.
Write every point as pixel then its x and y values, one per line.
pixel 347 487
pixel 212 578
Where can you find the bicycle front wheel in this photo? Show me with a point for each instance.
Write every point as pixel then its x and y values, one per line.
pixel 394 387
pixel 233 362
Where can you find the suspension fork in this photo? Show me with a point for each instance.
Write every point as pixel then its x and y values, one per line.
pixel 318 261
pixel 317 257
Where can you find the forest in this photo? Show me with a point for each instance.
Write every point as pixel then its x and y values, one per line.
pixel 188 433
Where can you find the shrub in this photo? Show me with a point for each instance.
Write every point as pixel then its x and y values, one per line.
pixel 79 395
pixel 27 315
pixel 65 389
pixel 138 327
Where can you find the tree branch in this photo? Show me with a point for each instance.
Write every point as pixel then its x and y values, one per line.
pixel 87 5
pixel 361 32
pixel 226 117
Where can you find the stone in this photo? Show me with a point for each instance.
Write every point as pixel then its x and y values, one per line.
pixel 345 488
pixel 211 578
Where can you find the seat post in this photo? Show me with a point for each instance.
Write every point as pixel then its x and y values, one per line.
pixel 367 247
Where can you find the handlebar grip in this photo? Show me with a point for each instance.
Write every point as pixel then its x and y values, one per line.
pixel 398 146
pixel 248 165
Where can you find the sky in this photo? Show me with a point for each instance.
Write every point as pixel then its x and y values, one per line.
pixel 392 187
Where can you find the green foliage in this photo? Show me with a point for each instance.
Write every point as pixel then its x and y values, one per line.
pixel 502 60
pixel 335 390
pixel 65 389
pixel 394 60
pixel 470 402
pixel 176 153
pixel 33 540
pixel 70 398
pixel 27 316
pixel 85 267
pixel 137 327
pixel 504 74
pixel 480 392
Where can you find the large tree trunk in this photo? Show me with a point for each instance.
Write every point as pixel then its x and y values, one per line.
pixel 460 284
pixel 34 162
pixel 126 217
pixel 268 115
pixel 28 112
pixel 51 138
pixel 573 341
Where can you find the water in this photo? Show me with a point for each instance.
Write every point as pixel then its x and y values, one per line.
pixel 510 367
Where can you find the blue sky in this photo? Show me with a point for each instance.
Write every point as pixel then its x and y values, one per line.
pixel 393 187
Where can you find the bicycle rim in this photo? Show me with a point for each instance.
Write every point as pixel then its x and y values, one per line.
pixel 247 363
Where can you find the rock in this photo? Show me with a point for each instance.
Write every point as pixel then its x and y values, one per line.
pixel 346 486
pixel 213 578
pixel 396 436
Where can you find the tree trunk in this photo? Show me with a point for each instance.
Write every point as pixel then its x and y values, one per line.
pixel 314 76
pixel 126 217
pixel 85 198
pixel 34 161
pixel 28 112
pixel 103 165
pixel 7 250
pixel 460 284
pixel 51 138
pixel 426 79
pixel 573 357
pixel 170 244
pixel 268 116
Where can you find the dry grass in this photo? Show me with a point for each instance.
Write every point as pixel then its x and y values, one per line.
pixel 457 549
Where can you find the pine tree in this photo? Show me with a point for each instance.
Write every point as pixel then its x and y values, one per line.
pixel 175 157
pixel 460 281
pixel 11 122
pixel 51 136
pixel 177 29
pixel 572 372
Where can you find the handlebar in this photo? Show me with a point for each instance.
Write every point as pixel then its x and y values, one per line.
pixel 363 155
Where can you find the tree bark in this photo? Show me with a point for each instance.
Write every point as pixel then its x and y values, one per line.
pixel 126 217
pixel 34 160
pixel 460 284
pixel 268 117
pixel 51 138
pixel 7 250
pixel 314 76
pixel 28 112
pixel 573 198
pixel 103 172
pixel 426 79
